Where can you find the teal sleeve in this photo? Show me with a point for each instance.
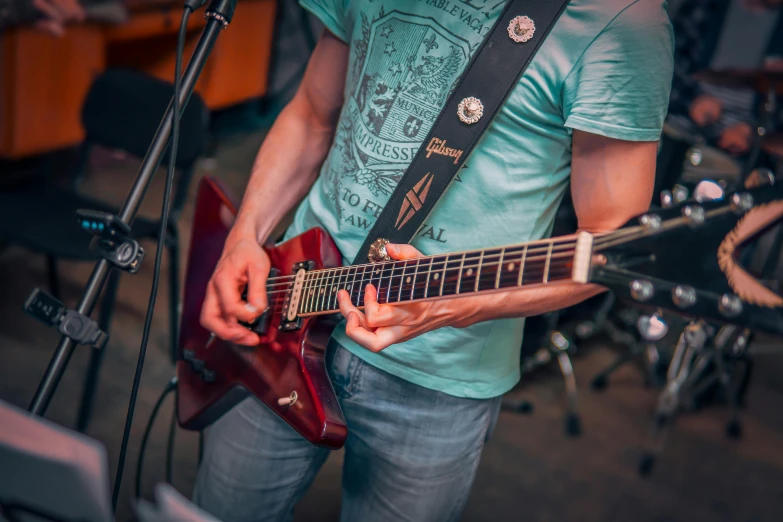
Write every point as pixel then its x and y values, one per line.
pixel 331 13
pixel 620 86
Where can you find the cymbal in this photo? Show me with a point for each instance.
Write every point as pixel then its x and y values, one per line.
pixel 773 145
pixel 760 80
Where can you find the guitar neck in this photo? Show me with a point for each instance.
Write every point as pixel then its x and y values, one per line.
pixel 449 275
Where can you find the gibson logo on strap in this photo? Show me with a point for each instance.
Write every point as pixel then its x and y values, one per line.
pixel 413 200
pixel 438 146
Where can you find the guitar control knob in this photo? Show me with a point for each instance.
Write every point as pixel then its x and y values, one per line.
pixel 730 305
pixel 641 289
pixel 683 296
pixel 288 401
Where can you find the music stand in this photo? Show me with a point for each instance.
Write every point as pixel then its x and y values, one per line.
pixel 50 473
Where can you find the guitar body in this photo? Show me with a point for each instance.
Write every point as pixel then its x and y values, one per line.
pixel 214 378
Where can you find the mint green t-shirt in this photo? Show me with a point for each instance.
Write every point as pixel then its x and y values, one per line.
pixel 605 68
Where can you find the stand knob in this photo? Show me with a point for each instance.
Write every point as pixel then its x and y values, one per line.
pixel 652 328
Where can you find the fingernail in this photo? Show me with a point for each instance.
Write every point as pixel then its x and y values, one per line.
pixel 250 308
pixel 391 248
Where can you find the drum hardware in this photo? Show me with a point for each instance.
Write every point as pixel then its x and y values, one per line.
pixel 558 345
pixel 699 362
pixel 641 346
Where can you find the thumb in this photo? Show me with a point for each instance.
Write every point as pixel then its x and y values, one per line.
pixel 402 252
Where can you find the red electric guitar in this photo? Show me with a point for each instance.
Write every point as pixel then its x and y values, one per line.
pixel 684 258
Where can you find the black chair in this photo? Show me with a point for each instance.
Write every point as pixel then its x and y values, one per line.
pixel 122 111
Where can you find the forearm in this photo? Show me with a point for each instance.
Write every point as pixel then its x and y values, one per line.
pixel 528 302
pixel 292 153
pixel 285 168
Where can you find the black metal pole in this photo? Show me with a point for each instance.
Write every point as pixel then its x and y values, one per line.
pixel 218 15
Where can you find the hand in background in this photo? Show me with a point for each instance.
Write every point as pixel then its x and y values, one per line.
pixel 705 110
pixel 57 13
pixel 736 139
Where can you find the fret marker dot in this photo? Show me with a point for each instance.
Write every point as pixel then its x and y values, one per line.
pixel 511 266
pixel 322 290
pixel 436 277
pixel 334 289
pixel 469 272
pixel 408 279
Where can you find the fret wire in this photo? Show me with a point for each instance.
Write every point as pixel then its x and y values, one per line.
pixel 330 292
pixel 322 290
pixel 413 283
pixel 427 283
pixel 341 284
pixel 478 272
pixel 331 301
pixel 443 275
pixel 459 274
pixel 402 279
pixel 325 296
pixel 500 268
pixel 548 258
pixel 522 266
pixel 303 302
pixel 391 280
pixel 354 284
pixel 361 287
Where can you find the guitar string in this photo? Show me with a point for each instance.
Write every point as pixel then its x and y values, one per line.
pixel 556 271
pixel 442 265
pixel 437 259
pixel 603 241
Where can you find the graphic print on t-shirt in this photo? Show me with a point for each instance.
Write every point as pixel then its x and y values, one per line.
pixel 404 68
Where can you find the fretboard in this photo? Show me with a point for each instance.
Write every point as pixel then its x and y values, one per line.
pixel 439 276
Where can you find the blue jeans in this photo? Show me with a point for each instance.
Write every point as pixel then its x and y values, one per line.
pixel 411 453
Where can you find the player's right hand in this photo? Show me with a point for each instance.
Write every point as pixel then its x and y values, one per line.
pixel 244 264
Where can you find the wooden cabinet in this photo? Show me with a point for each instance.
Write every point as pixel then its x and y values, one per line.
pixel 43 79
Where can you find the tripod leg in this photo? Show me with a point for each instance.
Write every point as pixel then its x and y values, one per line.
pixel 96 356
pixel 668 401
pixel 573 422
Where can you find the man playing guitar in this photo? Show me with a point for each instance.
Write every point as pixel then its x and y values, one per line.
pixel 420 383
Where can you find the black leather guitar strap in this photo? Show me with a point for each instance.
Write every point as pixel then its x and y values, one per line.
pixel 488 80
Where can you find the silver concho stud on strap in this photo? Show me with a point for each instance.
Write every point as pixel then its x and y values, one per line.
pixel 521 29
pixel 470 110
pixel 378 252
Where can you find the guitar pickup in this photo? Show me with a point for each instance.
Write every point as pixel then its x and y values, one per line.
pixel 260 325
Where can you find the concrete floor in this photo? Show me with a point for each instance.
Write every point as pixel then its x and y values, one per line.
pixel 530 470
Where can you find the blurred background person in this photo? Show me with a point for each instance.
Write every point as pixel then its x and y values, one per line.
pixel 50 16
pixel 720 35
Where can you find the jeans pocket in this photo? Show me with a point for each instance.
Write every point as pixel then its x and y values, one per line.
pixel 344 371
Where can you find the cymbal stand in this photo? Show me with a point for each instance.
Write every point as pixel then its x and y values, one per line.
pixel 557 346
pixel 691 341
pixel 698 361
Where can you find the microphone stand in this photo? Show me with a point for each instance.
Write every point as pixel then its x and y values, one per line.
pixel 218 15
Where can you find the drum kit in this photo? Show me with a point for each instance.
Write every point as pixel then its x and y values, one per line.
pixel 691 363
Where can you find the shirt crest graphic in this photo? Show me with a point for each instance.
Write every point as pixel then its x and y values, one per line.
pixel 404 67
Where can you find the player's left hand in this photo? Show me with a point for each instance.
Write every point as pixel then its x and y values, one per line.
pixel 381 325
pixel 736 139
